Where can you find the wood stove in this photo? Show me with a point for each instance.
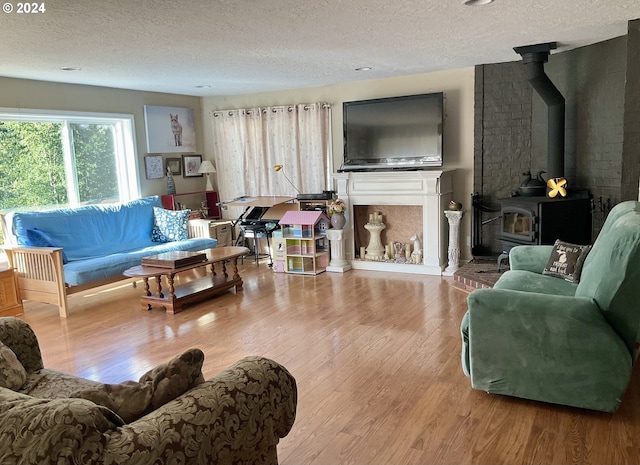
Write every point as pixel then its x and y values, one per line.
pixel 542 220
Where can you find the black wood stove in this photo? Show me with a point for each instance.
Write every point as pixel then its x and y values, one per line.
pixel 541 220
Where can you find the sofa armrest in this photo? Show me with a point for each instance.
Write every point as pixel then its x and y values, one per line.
pixel 236 417
pixel 557 349
pixel 530 257
pixel 20 338
pixel 40 274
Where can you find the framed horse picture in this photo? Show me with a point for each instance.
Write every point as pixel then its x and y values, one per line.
pixel 169 129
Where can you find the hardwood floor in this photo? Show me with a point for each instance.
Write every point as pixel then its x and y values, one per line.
pixel 377 362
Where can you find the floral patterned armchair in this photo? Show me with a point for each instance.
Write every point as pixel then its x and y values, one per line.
pixel 171 415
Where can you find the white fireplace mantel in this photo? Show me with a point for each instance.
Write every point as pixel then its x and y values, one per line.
pixel 431 189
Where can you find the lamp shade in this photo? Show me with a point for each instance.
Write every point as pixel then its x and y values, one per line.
pixel 206 167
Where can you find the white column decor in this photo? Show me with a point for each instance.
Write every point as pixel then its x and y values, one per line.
pixel 338 261
pixel 375 249
pixel 454 218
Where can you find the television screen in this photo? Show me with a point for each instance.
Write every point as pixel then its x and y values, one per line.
pixel 393 133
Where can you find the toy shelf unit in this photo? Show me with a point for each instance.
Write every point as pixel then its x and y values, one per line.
pixel 303 242
pixel 206 201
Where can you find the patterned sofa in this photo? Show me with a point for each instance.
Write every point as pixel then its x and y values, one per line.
pixel 170 416
pixel 63 251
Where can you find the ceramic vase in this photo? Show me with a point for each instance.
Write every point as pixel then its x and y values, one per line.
pixel 338 220
pixel 171 185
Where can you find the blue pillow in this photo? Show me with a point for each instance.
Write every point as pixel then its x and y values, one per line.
pixel 169 225
pixel 38 238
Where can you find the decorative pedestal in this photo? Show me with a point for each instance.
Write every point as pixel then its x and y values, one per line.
pixel 338 261
pixel 454 218
pixel 375 249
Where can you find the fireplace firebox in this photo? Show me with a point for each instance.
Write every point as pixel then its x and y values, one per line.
pixel 542 220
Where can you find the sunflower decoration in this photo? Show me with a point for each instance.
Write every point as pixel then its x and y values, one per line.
pixel 557 186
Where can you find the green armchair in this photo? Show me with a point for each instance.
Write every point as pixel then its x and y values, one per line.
pixel 236 417
pixel 540 337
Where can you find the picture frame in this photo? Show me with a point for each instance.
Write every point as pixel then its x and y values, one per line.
pixel 174 165
pixel 154 166
pixel 169 129
pixel 191 165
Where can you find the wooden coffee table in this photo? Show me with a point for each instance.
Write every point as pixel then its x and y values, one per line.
pixel 191 291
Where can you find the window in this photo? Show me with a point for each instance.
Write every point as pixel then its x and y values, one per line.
pixel 55 159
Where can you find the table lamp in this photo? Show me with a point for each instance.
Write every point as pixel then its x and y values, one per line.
pixel 206 167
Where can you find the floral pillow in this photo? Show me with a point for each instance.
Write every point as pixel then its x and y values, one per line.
pixel 169 225
pixel 12 373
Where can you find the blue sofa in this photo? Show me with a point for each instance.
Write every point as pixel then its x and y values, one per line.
pixel 63 251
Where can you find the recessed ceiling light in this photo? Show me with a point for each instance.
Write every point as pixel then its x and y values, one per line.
pixel 364 68
pixel 69 68
pixel 203 86
pixel 477 2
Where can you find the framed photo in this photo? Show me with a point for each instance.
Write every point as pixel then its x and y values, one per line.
pixel 191 165
pixel 154 166
pixel 169 129
pixel 174 165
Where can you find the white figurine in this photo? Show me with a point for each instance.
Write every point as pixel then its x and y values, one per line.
pixel 417 245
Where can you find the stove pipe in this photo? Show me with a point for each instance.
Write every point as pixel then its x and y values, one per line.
pixel 534 57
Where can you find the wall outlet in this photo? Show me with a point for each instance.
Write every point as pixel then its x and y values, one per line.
pixel 468 241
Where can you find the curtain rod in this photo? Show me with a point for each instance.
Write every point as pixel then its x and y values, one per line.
pixel 305 106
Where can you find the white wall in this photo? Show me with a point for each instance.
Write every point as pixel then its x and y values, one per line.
pixel 458 86
pixel 40 95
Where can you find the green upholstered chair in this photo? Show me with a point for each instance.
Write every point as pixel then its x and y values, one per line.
pixel 540 337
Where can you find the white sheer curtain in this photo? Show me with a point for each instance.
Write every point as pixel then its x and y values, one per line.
pixel 248 143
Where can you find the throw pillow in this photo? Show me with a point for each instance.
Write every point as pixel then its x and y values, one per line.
pixel 12 373
pixel 131 400
pixel 169 225
pixel 566 261
pixel 38 238
pixel 175 377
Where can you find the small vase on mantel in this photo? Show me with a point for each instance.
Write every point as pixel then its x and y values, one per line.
pixel 338 220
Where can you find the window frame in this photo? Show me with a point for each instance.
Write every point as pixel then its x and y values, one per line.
pixel 125 144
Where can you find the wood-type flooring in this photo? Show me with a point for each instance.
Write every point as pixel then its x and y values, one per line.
pixel 376 357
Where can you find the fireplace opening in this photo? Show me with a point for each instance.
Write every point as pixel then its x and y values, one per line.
pixel 401 221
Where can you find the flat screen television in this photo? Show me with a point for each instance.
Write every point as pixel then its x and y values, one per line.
pixel 393 133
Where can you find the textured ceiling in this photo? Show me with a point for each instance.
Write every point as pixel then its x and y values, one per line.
pixel 247 46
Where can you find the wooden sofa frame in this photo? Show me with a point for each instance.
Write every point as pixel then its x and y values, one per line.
pixel 41 276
